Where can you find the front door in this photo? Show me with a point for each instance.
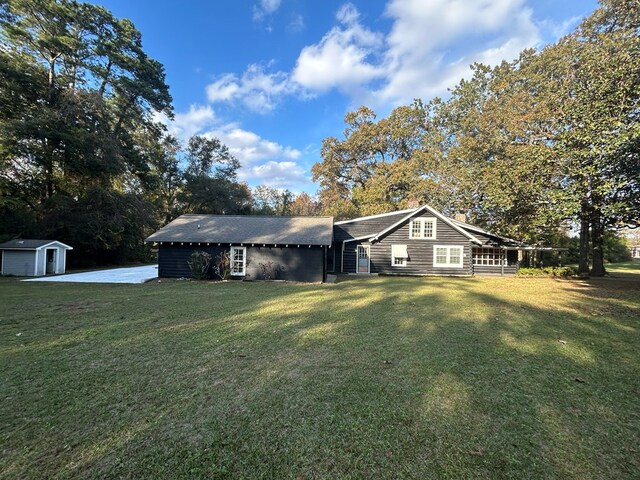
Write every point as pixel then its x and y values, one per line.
pixel 363 259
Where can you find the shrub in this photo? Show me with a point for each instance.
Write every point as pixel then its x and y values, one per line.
pixel 222 265
pixel 555 272
pixel 270 270
pixel 199 264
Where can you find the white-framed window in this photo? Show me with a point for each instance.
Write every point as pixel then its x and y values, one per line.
pixel 487 256
pixel 423 228
pixel 448 256
pixel 399 255
pixel 238 261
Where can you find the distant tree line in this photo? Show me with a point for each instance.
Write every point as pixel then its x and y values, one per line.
pixel 531 148
pixel 81 158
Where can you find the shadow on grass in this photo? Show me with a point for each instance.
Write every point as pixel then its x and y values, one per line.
pixel 370 377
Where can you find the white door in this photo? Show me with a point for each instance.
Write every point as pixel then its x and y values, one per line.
pixel 363 259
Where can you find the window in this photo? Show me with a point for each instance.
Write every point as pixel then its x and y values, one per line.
pixel 448 256
pixel 487 256
pixel 423 228
pixel 238 261
pixel 399 255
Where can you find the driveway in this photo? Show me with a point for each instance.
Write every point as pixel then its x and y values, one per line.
pixel 114 275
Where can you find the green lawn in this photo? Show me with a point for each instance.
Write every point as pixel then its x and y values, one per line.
pixel 367 378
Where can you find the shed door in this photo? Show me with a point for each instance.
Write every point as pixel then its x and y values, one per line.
pixel 51 261
pixel 363 258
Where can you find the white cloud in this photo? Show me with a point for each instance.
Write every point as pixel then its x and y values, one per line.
pixel 276 174
pixel 428 49
pixel 256 89
pixel 187 124
pixel 262 161
pixel 264 8
pixel 343 59
pixel 250 148
pixel 432 44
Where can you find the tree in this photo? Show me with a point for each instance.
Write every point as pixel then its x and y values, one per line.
pixel 374 168
pixel 271 201
pixel 210 184
pixel 599 90
pixel 305 205
pixel 76 96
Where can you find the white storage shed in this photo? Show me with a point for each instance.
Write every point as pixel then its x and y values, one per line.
pixel 33 258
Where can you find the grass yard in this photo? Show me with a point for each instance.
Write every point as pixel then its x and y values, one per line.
pixel 367 378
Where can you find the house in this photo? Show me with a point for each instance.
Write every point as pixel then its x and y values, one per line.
pixel 635 252
pixel 33 257
pixel 292 248
pixel 419 241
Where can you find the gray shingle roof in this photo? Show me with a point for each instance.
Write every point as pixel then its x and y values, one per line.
pixel 28 244
pixel 247 229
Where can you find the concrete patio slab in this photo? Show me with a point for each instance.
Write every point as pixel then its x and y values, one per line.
pixel 114 275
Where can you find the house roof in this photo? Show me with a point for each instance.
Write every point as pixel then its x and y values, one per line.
pixel 379 215
pixel 491 237
pixel 432 211
pixel 30 244
pixel 473 233
pixel 247 229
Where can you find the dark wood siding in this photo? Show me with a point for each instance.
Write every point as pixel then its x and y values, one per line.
pixel 302 264
pixel 420 251
pixel 173 259
pixel 369 226
pixel 333 258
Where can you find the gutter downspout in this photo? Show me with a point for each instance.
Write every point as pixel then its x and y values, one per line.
pixel 342 259
pixel 502 262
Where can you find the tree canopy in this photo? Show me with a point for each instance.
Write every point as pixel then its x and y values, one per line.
pixel 81 157
pixel 529 148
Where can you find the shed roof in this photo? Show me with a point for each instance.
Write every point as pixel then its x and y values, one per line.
pixel 247 229
pixel 30 244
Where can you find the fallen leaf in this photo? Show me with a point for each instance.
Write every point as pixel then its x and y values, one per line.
pixel 579 380
pixel 564 342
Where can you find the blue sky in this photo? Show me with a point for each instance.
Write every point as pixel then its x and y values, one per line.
pixel 273 78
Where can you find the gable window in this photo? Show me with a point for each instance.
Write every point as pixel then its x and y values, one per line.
pixel 423 228
pixel 447 256
pixel 238 261
pixel 399 255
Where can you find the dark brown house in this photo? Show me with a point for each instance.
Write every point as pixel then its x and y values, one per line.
pixel 419 241
pixel 294 247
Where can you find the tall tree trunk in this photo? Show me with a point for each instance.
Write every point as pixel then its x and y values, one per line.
pixel 49 153
pixel 597 242
pixel 583 264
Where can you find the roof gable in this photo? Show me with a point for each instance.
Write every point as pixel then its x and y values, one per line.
pixel 432 211
pixel 247 229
